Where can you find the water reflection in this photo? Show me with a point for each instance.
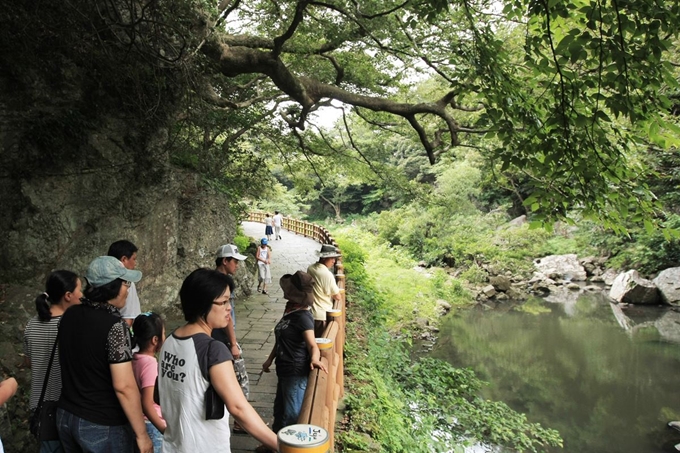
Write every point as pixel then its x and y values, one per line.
pixel 571 366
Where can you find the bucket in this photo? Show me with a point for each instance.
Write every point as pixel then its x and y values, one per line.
pixel 324 343
pixel 303 439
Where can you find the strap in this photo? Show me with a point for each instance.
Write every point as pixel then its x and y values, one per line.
pixel 49 368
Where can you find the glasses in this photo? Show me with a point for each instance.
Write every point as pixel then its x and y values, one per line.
pixel 127 283
pixel 221 304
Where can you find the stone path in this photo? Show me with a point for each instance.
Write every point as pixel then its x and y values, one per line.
pixel 256 317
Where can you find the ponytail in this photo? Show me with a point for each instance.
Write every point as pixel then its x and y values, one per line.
pixel 42 306
pixel 58 283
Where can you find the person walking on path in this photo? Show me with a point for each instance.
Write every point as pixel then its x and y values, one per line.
pixel 62 290
pixel 278 223
pixel 197 376
pixel 226 262
pixel 268 228
pixel 325 288
pixel 295 350
pixel 126 253
pixel 263 255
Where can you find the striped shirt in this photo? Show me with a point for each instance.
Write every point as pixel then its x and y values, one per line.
pixel 39 339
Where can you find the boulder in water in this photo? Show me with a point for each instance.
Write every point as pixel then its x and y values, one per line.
pixel 668 282
pixel 630 288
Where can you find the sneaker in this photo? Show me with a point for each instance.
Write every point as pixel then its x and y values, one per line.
pixel 677 447
pixel 264 292
pixel 674 424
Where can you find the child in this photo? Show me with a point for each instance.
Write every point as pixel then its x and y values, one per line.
pixel 149 335
pixel 263 255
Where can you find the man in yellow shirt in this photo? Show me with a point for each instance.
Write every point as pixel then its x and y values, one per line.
pixel 325 288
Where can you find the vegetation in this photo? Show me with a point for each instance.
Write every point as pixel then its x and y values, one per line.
pixel 420 406
pixel 567 102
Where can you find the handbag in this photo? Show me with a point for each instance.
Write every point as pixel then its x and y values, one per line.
pixel 43 421
pixel 214 406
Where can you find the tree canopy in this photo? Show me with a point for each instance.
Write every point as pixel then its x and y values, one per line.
pixel 567 94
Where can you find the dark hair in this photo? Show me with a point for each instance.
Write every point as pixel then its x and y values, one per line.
pixel 103 293
pixel 276 212
pixel 199 291
pixel 58 283
pixel 218 261
pixel 120 249
pixel 144 328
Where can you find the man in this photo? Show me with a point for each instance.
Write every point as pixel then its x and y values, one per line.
pixel 226 262
pixel 278 222
pixel 126 253
pixel 325 288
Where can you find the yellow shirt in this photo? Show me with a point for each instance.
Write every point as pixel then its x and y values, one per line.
pixel 324 288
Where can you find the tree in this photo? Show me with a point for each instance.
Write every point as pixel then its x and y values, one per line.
pixel 589 89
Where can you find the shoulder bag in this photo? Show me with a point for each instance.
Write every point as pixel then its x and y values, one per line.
pixel 43 422
pixel 214 406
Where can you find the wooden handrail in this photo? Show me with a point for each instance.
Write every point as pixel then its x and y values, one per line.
pixel 323 389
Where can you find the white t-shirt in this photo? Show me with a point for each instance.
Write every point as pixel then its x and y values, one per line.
pixel 184 361
pixel 324 288
pixel 278 220
pixel 131 309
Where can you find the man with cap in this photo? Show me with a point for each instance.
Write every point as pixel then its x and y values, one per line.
pixel 325 288
pixel 99 392
pixel 226 262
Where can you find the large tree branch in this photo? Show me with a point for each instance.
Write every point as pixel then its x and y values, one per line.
pixel 307 92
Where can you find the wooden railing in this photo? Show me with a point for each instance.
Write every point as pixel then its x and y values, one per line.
pixel 324 390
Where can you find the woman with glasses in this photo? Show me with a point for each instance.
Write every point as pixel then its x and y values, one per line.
pixel 100 408
pixel 193 365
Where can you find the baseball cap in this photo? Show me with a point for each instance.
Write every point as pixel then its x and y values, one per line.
pixel 230 251
pixel 264 241
pixel 105 269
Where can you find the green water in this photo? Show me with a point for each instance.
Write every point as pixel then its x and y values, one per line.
pixel 571 366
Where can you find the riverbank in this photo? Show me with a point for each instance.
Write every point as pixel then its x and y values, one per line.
pixel 396 405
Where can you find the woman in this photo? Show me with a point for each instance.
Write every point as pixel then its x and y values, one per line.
pixel 269 226
pixel 191 361
pixel 295 349
pixel 62 290
pixel 100 408
pixel 263 257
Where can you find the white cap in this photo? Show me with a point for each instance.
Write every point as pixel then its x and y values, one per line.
pixel 230 251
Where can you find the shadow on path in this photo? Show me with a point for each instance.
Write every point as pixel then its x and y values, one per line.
pixel 257 315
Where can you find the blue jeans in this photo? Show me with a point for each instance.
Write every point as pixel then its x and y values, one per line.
pixel 155 435
pixel 80 436
pixel 51 446
pixel 290 391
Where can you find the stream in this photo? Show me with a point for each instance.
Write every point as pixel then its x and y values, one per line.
pixel 606 377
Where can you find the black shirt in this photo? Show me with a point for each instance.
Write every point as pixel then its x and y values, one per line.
pixel 292 356
pixel 91 337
